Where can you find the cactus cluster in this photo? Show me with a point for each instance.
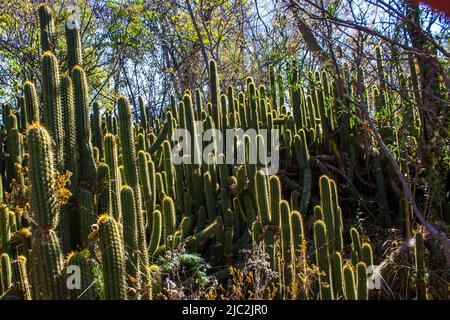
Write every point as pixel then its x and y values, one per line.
pixel 104 191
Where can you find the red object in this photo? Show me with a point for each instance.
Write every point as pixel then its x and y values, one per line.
pixel 440 5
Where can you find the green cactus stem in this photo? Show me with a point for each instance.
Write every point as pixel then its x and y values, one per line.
pixel 21 277
pixel 46 27
pixel 361 272
pixel 322 260
pixel 155 235
pixel 112 251
pixel 349 282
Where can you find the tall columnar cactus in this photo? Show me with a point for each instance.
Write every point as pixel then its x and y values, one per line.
pixel 87 215
pixel 113 265
pixel 155 235
pixel 143 113
pixel 70 132
pixel 338 227
pixel 74 52
pixel 4 228
pixel 47 254
pixel 112 161
pixel 366 254
pixel 275 199
pixel 88 169
pixel 298 239
pixel 15 150
pixel 168 168
pixel 356 241
pixel 130 232
pixel 44 207
pixel 322 260
pixel 420 267
pixel 21 277
pixel 31 102
pixel 349 282
pixel 97 129
pixel 337 274
pixel 146 183
pixel 51 108
pixel 46 27
pixel 328 212
pixel 262 196
pixel 103 189
pixel 169 219
pixel 6 272
pixel 43 202
pixel 361 272
pixel 23 113
pixel 127 139
pixel 286 244
pixel 215 94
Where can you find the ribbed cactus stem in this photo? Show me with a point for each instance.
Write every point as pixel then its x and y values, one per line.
pixel 262 198
pixel 46 27
pixel 286 244
pixel 327 209
pixel 322 260
pixel 74 54
pixel 143 113
pixel 349 282
pixel 43 202
pixel 127 139
pixel 275 198
pixel 97 129
pixel 31 102
pixel 88 170
pixel 144 179
pixel 155 235
pixel 112 251
pixel 21 277
pixel 356 240
pixel 168 168
pixel 87 215
pixel 103 189
pixel 337 274
pixel 6 272
pixel 361 272
pixel 112 161
pixel 70 132
pixel 52 112
pixel 366 254
pixel 169 219
pixel 47 254
pixel 4 228
pixel 130 233
pixel 215 93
